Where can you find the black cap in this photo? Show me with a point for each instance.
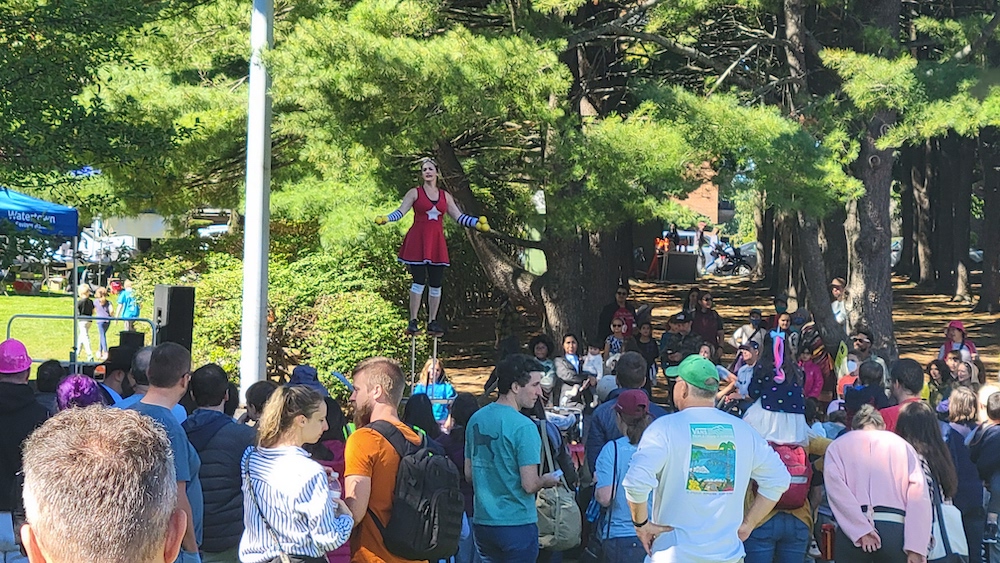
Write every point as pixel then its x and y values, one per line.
pixel 119 358
pixel 682 317
pixel 750 345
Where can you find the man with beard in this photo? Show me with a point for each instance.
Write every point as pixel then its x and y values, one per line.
pixel 371 462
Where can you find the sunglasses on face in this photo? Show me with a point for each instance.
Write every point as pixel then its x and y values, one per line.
pixel 617 326
pixel 862 340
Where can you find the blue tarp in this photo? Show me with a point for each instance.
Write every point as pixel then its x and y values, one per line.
pixel 27 212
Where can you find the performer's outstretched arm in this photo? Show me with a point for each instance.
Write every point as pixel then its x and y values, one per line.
pixel 462 219
pixel 404 208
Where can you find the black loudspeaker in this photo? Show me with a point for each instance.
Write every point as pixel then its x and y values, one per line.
pixel 682 267
pixel 131 339
pixel 173 313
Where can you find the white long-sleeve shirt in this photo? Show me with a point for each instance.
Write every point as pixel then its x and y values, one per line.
pixel 697 464
pixel 293 494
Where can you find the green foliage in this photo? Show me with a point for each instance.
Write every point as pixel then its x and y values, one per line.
pixel 355 287
pixel 352 326
pixel 874 82
pixel 50 53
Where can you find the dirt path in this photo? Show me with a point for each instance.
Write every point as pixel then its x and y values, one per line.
pixel 920 318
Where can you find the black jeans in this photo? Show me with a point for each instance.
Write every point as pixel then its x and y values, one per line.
pixel 891 533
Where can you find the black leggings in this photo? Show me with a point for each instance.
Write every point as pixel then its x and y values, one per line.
pixel 426 274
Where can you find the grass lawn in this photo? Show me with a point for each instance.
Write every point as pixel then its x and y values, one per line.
pixel 48 338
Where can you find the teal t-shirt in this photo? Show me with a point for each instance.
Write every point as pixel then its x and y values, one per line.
pixel 500 440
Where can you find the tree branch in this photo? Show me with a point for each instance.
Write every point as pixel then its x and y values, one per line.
pixel 991 27
pixel 605 28
pixel 684 51
pixel 523 243
pixel 723 76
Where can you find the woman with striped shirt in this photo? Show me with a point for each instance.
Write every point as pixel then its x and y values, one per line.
pixel 288 512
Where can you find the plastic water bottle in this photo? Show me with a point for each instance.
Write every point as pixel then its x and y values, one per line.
pixel 333 481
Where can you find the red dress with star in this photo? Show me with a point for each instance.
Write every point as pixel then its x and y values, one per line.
pixel 424 242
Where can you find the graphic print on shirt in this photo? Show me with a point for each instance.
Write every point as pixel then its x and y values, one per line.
pixel 480 439
pixel 712 467
pixel 433 214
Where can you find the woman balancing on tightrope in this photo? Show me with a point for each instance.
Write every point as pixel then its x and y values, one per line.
pixel 424 249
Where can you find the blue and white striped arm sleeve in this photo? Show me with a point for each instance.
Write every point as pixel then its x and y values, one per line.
pixel 394 216
pixel 467 220
pixel 329 531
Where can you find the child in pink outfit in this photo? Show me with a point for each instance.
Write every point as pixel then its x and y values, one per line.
pixel 813 385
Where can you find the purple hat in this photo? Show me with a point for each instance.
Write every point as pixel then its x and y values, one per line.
pixel 14 357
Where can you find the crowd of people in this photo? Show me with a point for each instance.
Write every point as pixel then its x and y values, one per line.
pixel 784 454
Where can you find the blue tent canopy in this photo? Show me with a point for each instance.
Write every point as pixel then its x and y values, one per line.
pixel 27 212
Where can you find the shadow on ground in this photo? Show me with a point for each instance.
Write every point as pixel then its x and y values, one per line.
pixel 919 316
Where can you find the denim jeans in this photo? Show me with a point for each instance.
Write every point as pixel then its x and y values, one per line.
pixel 623 550
pixel 507 544
pixel 782 539
pixel 188 557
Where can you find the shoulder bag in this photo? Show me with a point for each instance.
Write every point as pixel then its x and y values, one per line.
pixel 948 543
pixel 559 522
pixel 253 496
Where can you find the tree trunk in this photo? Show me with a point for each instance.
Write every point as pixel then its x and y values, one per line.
pixel 923 228
pixel 757 274
pixel 834 244
pixel 989 158
pixel 770 246
pixel 869 235
pixel 601 252
pixel 783 255
pixel 817 296
pixel 795 50
pixel 942 191
pixel 906 212
pixel 965 163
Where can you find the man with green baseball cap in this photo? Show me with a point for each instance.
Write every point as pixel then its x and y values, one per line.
pixel 702 459
pixel 697 371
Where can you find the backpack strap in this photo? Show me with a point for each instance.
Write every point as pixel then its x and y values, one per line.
pixel 398 441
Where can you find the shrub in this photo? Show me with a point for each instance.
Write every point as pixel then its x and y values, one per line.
pixel 356 325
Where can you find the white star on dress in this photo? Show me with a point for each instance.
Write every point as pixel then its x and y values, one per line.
pixel 433 214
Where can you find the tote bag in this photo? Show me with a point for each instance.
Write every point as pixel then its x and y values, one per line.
pixel 559 523
pixel 948 543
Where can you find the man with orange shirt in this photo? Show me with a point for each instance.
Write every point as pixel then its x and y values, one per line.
pixel 371 461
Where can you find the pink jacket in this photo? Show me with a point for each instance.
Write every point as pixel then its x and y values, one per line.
pixel 878 468
pixel 813 384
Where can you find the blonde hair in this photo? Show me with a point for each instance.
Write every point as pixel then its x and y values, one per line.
pixel 963 406
pixel 281 409
pixel 101 294
pixel 868 416
pixel 427 368
pixel 984 394
pixel 83 291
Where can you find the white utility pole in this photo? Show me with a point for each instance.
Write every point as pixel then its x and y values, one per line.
pixel 256 238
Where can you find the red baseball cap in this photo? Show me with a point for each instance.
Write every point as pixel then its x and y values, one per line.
pixel 633 403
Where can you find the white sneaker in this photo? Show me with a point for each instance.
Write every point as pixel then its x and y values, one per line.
pixel 814 550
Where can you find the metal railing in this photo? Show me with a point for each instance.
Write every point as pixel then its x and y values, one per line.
pixel 72 356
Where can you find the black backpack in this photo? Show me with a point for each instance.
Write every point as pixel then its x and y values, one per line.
pixel 427 505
